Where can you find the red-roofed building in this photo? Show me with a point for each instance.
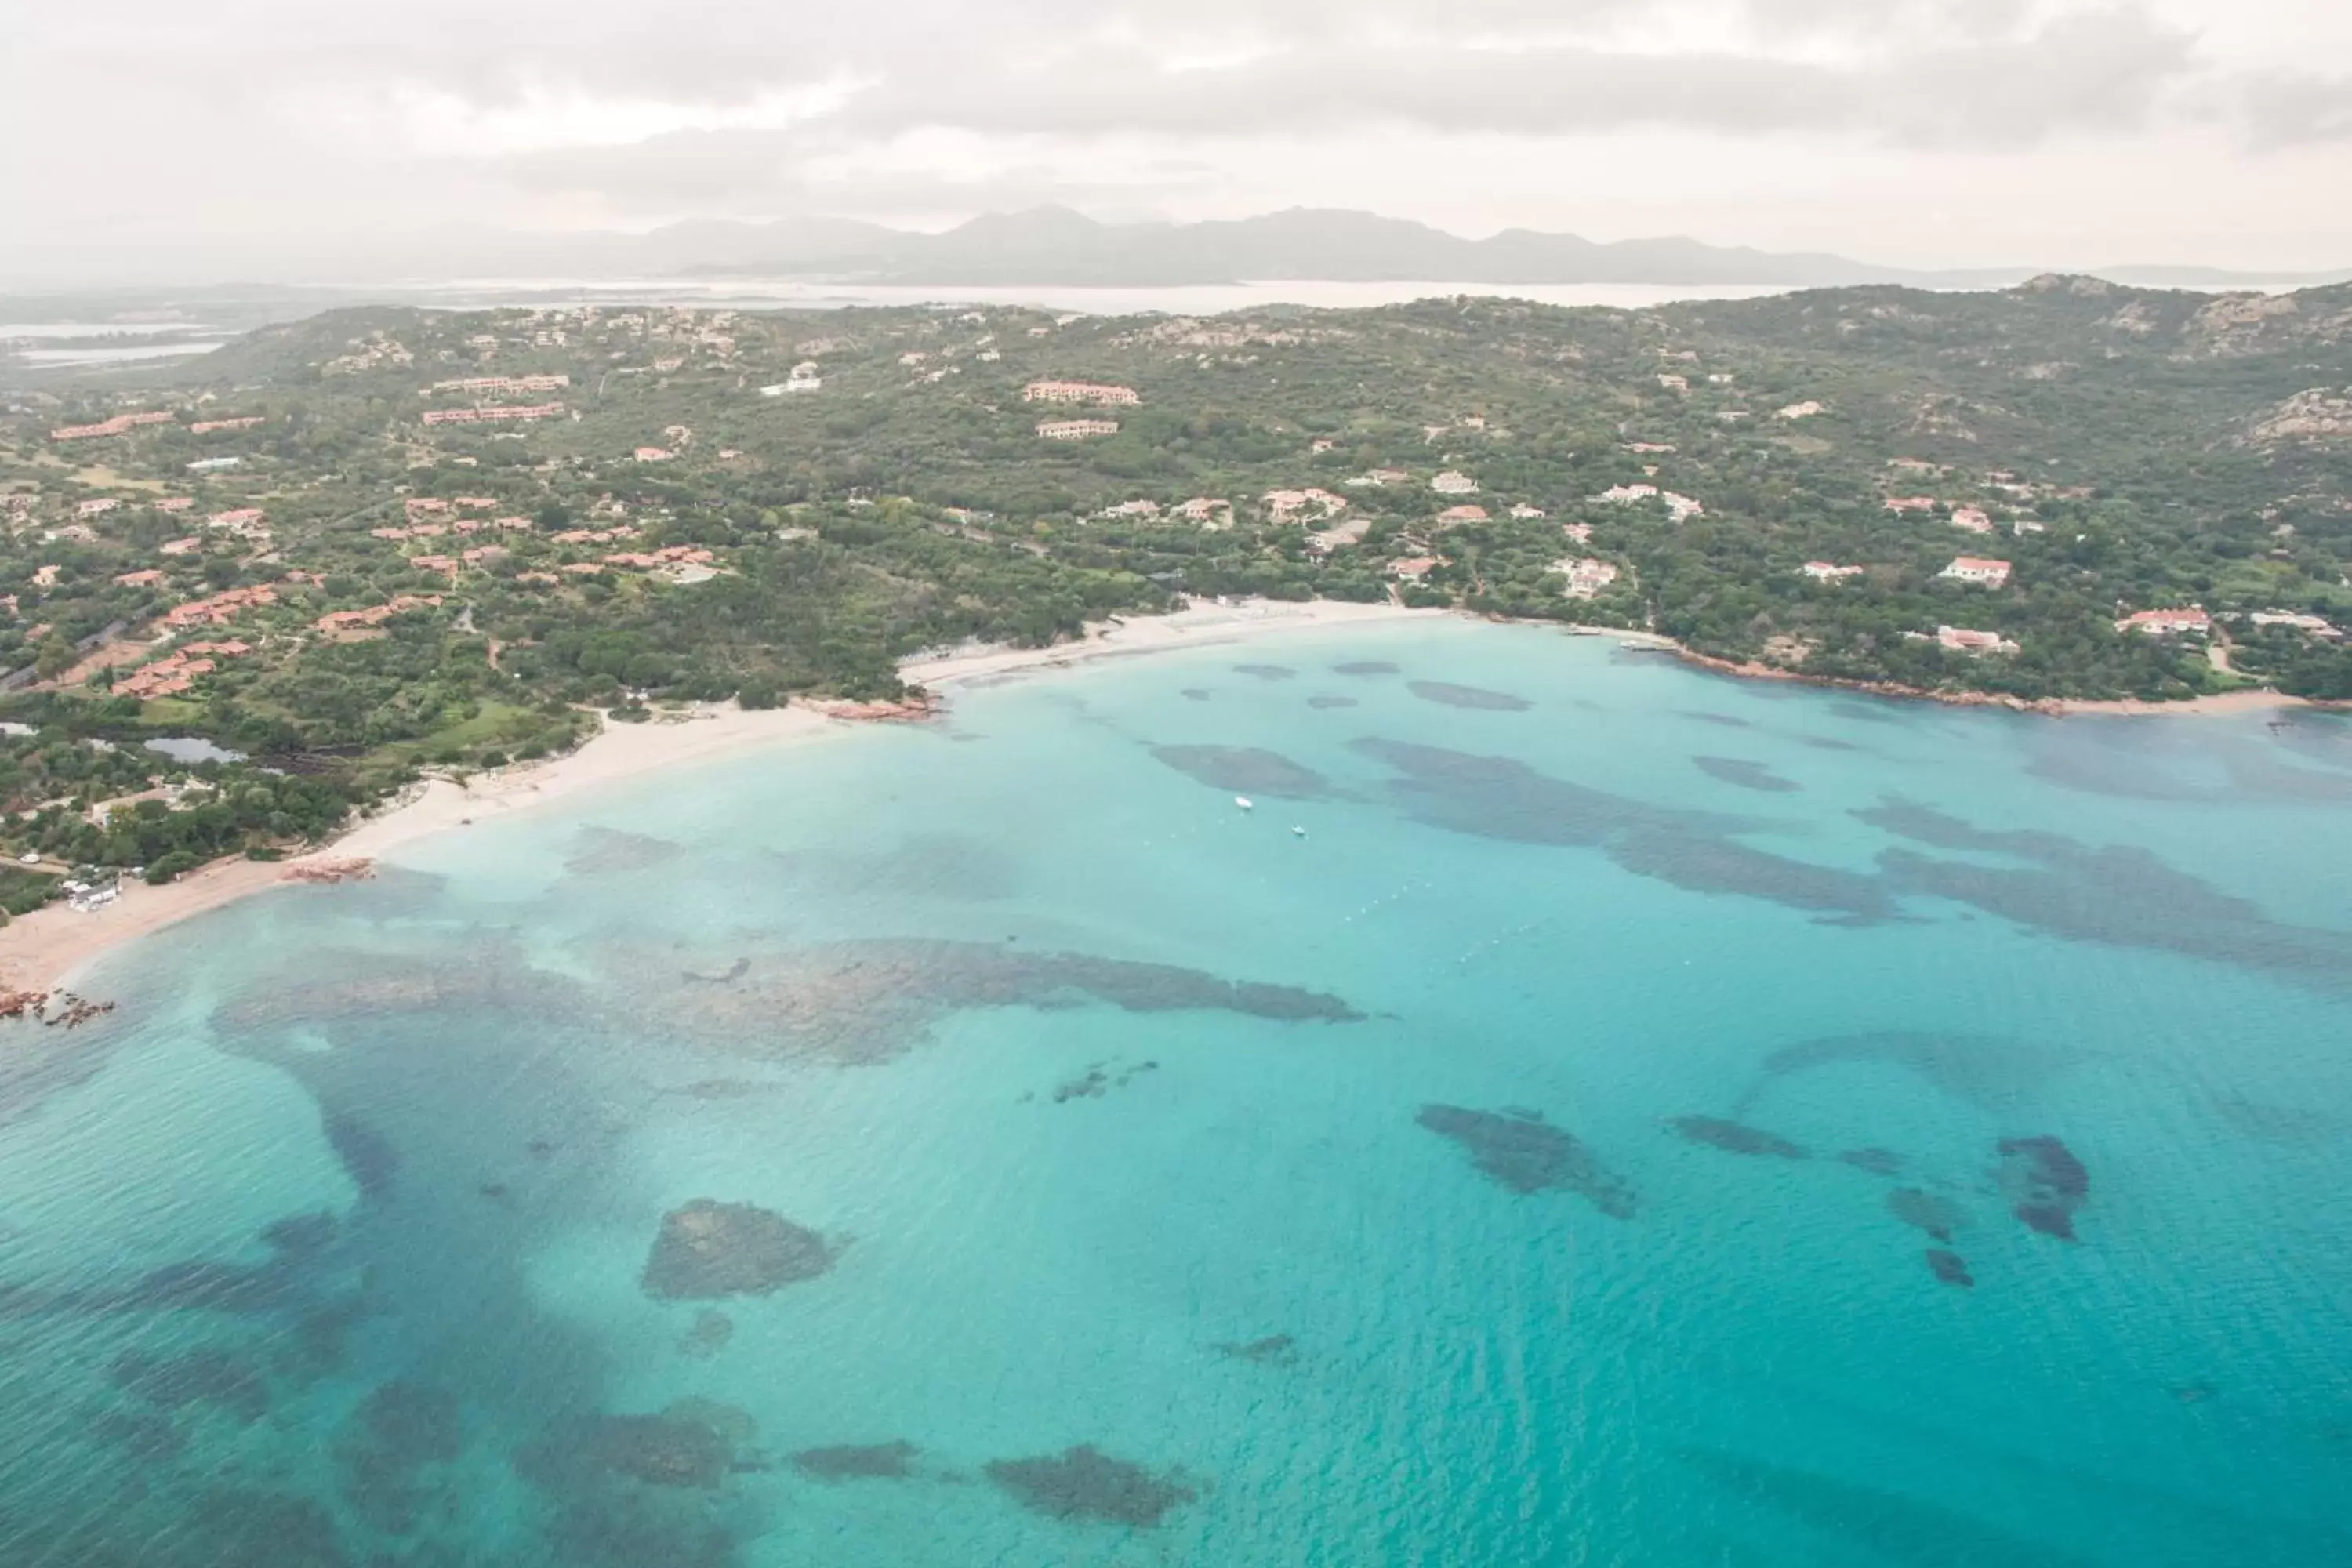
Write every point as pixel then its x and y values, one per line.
pixel 2167 623
pixel 492 414
pixel 220 608
pixel 1964 639
pixel 1092 392
pixel 1972 569
pixel 114 426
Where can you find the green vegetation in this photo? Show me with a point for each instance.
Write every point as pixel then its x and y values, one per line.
pixel 403 596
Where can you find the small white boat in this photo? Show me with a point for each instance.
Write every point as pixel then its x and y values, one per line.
pixel 1244 802
pixel 1299 833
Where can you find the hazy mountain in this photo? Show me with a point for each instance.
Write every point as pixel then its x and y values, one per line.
pixel 1054 244
pixel 1048 247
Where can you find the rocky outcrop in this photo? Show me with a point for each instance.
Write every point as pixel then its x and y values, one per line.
pixel 710 1249
pixel 2316 414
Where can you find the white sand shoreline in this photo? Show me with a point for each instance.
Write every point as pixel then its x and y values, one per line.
pixel 46 950
pixel 49 949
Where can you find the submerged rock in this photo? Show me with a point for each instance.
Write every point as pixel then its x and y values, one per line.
pixel 1274 1349
pixel 1250 770
pixel 661 1450
pixel 2045 1184
pixel 383 1454
pixel 366 1154
pixel 858 1462
pixel 1877 1161
pixel 302 1236
pixel 711 1331
pixel 1949 1268
pixel 627 1491
pixel 1746 773
pixel 1938 1217
pixel 1098 1081
pixel 194 1377
pixel 1736 1138
pixel 1479 697
pixel 710 1249
pixel 1085 1483
pixel 1520 1151
pixel 600 850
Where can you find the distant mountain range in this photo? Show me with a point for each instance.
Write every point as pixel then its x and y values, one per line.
pixel 1057 248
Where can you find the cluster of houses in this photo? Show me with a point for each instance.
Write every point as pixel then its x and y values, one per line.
pixel 2167 623
pixel 2317 626
pixel 341 621
pixel 1587 575
pixel 206 426
pixel 1289 506
pixel 1096 395
pixel 114 426
pixel 220 608
pixel 803 379
pixel 460 525
pixel 1679 508
pixel 1966 639
pixel 499 386
pixel 1977 570
pixel 491 414
pixel 1076 429
pixel 177 671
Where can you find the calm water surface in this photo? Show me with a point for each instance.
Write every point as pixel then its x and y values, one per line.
pixel 1641 1120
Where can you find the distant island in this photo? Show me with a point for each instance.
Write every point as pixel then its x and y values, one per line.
pixel 343 552
pixel 1057 246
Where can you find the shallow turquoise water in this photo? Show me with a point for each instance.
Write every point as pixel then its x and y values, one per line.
pixel 863 985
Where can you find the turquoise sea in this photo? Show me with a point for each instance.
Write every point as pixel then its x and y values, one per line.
pixel 1587 1112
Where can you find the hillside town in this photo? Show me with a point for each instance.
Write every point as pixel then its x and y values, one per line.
pixel 392 539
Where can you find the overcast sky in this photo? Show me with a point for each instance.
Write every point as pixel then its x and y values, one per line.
pixel 272 137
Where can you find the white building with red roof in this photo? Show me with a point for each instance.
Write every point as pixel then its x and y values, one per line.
pixel 1977 570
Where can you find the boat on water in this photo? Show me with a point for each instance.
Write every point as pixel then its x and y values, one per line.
pixel 1584 631
pixel 1245 802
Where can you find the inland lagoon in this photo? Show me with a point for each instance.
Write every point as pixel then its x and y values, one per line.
pixel 1591 1112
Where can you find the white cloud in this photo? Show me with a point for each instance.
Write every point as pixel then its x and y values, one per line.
pixel 271 124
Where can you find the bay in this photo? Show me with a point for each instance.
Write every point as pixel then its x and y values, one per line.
pixel 1654 1119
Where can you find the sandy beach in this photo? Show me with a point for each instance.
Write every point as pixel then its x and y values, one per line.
pixel 2220 704
pixel 45 950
